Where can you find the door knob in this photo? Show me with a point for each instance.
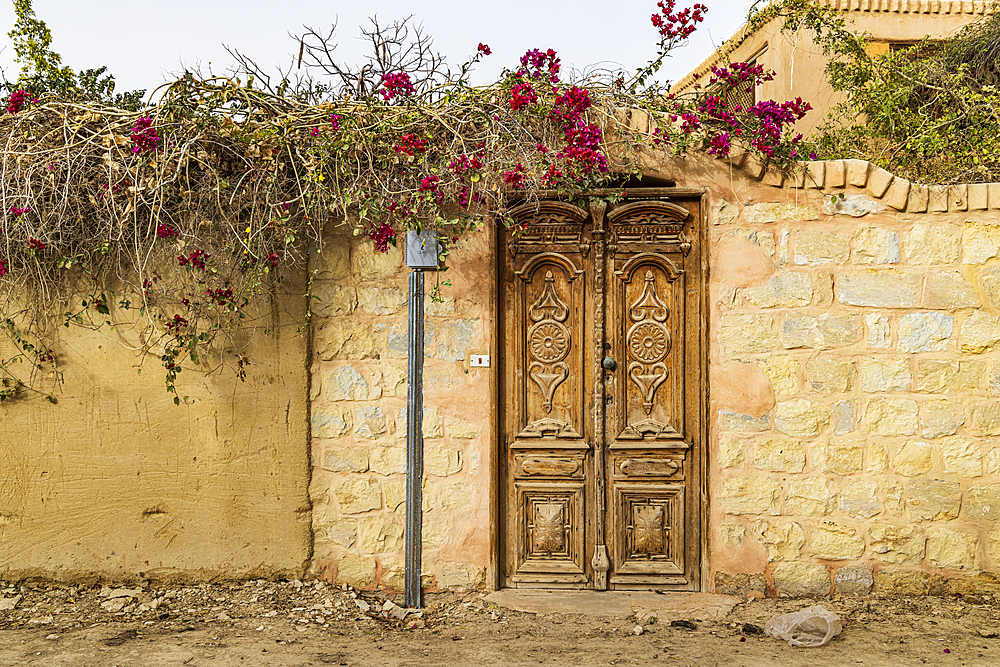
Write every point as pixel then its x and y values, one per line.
pixel 608 364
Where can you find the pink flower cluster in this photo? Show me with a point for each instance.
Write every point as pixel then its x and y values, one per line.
pixel 176 325
pixel 515 177
pixel 582 150
pixel 220 296
pixel 144 136
pixel 690 124
pixel 464 164
pixel 570 106
pixel 680 25
pixel 583 140
pixel 165 231
pixel 521 95
pixel 484 49
pixel 195 259
pixel 35 245
pixel 18 99
pixel 395 85
pixel 18 211
pixel 431 184
pixel 399 209
pixel 272 259
pixel 719 145
pixel 736 75
pixel 716 108
pixel 762 125
pixel 382 236
pixel 334 122
pixel 552 176
pixel 410 144
pixel 773 119
pixel 534 62
pixel 3 269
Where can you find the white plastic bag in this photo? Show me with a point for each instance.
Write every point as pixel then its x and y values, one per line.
pixel 810 627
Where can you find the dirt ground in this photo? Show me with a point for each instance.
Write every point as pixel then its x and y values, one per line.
pixel 296 623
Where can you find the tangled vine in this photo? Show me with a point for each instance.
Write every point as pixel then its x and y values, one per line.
pixel 175 218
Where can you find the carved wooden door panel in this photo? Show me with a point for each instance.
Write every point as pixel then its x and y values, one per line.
pixel 601 395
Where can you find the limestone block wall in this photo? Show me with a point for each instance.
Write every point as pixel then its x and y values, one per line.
pixel 358 391
pixel 855 381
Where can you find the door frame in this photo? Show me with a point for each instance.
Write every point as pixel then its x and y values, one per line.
pixel 497 491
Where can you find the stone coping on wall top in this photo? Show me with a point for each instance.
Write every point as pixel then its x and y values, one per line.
pixel 914 6
pixel 893 191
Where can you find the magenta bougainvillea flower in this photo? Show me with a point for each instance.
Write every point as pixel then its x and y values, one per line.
pixel 176 324
pixel 382 236
pixel 144 136
pixel 521 95
pixel 18 99
pixel 570 105
pixel 432 184
pixel 678 25
pixel 395 85
pixel 165 231
pixel 196 259
pixel 410 144
pixel 515 177
pixel 220 296
pixel 464 164
pixel 536 63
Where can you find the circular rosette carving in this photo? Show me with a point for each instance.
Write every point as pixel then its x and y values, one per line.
pixel 549 341
pixel 649 342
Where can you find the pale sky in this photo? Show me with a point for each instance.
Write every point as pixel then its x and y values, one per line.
pixel 144 41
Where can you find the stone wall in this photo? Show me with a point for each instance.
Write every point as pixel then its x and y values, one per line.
pixel 855 378
pixel 115 483
pixel 854 375
pixel 359 417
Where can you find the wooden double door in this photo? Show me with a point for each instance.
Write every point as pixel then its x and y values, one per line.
pixel 601 394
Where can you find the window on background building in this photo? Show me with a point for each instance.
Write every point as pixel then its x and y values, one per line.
pixel 746 95
pixel 875 49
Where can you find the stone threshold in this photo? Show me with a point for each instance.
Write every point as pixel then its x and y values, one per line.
pixel 622 604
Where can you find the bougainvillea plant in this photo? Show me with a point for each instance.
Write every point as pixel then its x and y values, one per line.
pixel 929 113
pixel 186 212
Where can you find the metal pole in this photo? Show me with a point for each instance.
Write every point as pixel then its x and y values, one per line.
pixel 414 438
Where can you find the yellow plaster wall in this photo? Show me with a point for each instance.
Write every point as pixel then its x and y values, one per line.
pixel 116 483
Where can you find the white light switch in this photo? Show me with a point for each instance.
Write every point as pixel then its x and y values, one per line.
pixel 479 360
